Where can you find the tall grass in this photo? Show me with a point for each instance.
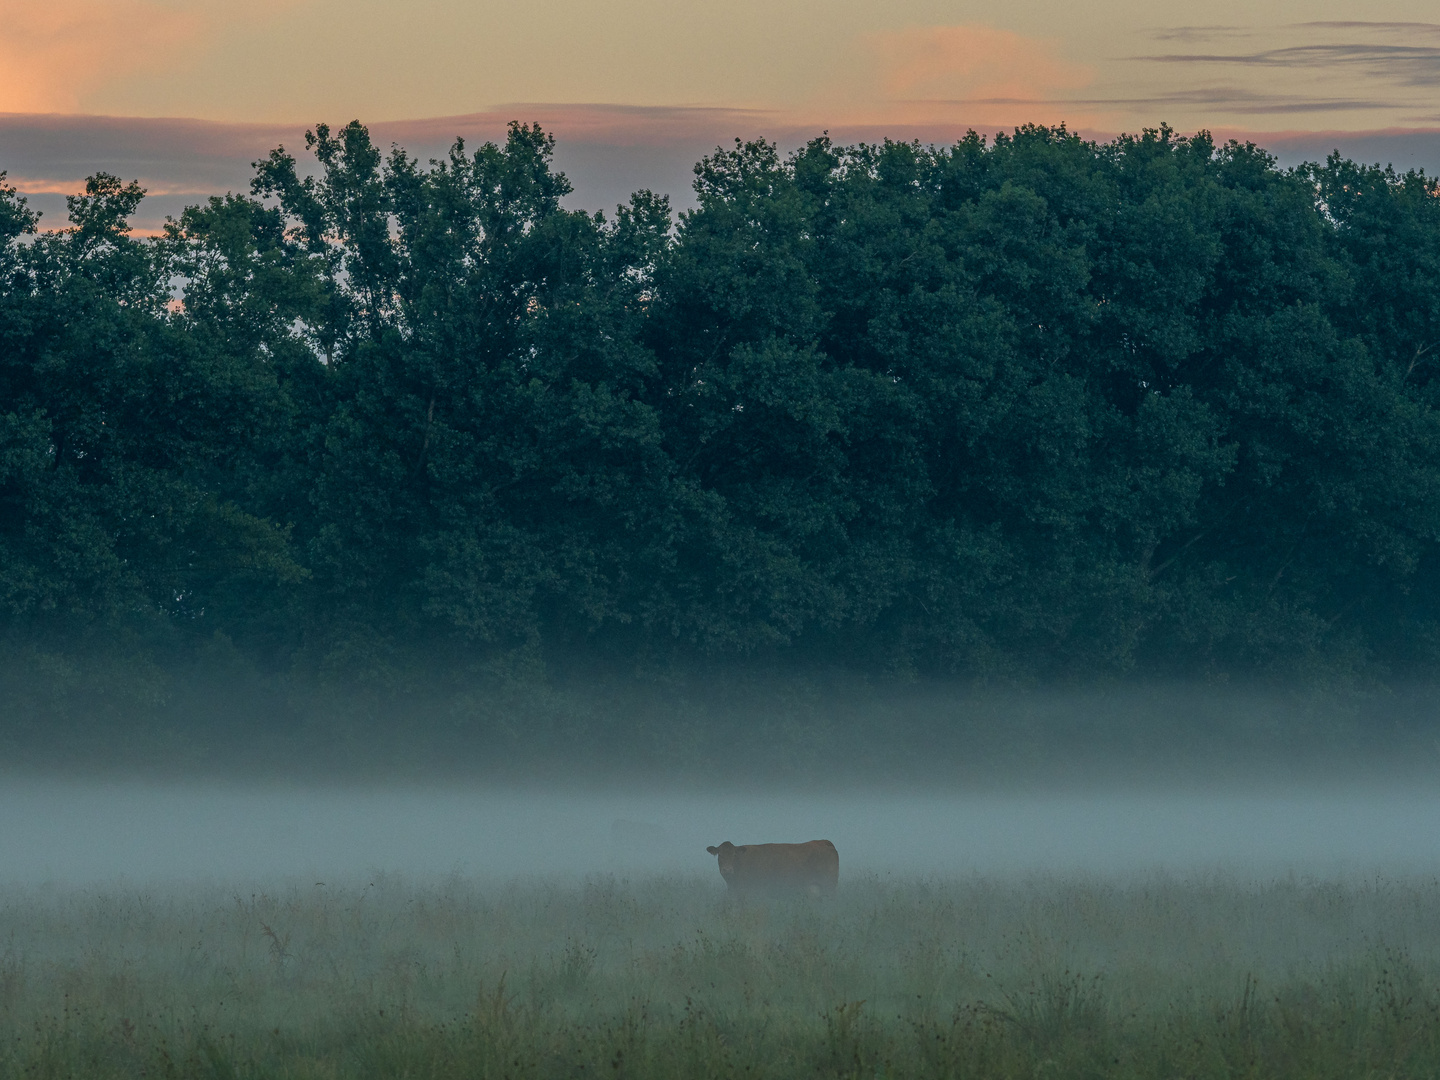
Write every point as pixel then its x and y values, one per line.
pixel 671 977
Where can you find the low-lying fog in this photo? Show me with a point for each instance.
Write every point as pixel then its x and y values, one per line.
pixel 73 833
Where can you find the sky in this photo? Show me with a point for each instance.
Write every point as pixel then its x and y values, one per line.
pixel 184 94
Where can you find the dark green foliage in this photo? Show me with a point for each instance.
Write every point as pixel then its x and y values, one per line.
pixel 128 441
pixel 1030 408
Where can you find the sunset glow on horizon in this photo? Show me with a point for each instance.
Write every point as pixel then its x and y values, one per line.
pixel 201 88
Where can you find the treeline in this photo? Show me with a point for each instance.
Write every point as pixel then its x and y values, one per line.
pixel 1024 408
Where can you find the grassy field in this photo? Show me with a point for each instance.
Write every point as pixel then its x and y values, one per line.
pixel 670 977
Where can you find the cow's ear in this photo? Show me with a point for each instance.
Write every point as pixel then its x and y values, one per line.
pixel 713 850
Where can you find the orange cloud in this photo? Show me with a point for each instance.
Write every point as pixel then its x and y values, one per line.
pixel 969 62
pixel 53 51
pixel 970 73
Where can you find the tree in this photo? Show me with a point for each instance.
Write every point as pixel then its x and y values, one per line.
pixel 123 434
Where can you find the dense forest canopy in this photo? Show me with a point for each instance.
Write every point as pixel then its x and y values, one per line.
pixel 1025 408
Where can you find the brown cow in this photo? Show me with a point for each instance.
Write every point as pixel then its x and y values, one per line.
pixel 814 867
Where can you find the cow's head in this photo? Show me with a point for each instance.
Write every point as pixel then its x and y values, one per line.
pixel 726 854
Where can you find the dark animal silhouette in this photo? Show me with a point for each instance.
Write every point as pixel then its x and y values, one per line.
pixel 812 867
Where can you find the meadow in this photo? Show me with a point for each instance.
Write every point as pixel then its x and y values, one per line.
pixel 1153 976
